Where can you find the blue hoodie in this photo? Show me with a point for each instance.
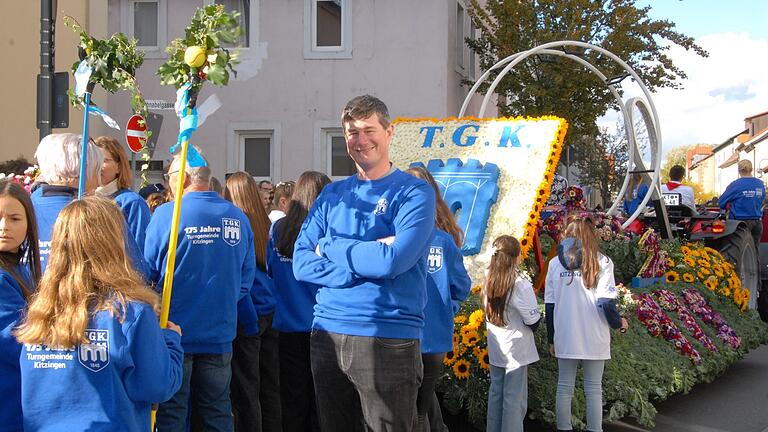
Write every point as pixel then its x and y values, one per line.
pixel 295 300
pixel 368 288
pixel 136 212
pixel 631 205
pixel 48 204
pixel 108 384
pixel 745 195
pixel 448 284
pixel 215 268
pixel 12 304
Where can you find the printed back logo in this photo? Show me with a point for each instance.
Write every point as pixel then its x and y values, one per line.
pixel 94 356
pixel 435 259
pixel 231 230
pixel 381 207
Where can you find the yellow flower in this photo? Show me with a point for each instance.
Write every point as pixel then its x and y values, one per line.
pixel 670 262
pixel 477 351
pixel 726 292
pixel 470 338
pixel 703 273
pixel 466 329
pixel 449 358
pixel 672 276
pixel 703 263
pixel 461 369
pixel 456 339
pixel 688 277
pixel 484 360
pixel 719 272
pixel 685 250
pixel 477 317
pixel 710 284
pixel 476 289
pixel 689 261
pixel 459 319
pixel 705 255
pixel 695 253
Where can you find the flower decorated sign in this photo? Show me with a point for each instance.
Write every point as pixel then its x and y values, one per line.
pixel 495 172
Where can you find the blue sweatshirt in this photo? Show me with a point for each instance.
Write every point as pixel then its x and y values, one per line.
pixel 631 205
pixel 448 284
pixel 368 288
pixel 136 212
pixel 11 306
pixel 215 268
pixel 745 195
pixel 48 204
pixel 295 300
pixel 106 385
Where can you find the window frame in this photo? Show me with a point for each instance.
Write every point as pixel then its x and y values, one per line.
pixel 236 135
pixel 311 50
pixel 127 26
pixel 466 59
pixel 253 23
pixel 328 135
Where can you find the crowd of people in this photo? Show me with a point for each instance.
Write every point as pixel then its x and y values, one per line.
pixel 310 305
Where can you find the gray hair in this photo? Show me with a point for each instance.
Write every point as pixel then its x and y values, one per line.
pixel 197 175
pixel 58 156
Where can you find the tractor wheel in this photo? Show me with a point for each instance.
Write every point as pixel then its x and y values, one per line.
pixel 762 302
pixel 739 249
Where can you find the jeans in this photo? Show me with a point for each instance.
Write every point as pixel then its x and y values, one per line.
pixel 365 383
pixel 297 389
pixel 256 381
pixel 207 378
pixel 427 406
pixel 507 399
pixel 593 390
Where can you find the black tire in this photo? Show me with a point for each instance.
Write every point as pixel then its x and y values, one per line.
pixel 762 301
pixel 739 249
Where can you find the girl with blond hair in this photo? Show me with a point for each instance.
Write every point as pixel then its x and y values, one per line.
pixel 580 310
pixel 94 356
pixel 512 315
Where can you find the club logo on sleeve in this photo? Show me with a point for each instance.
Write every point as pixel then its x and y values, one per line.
pixel 435 259
pixel 381 207
pixel 94 356
pixel 231 229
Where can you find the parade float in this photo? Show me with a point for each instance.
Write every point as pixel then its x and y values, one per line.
pixel 690 315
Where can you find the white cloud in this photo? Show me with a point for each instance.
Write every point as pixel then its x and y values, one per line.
pixel 721 90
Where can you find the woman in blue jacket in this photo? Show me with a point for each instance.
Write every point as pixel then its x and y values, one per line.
pixel 448 284
pixel 94 355
pixel 19 273
pixel 294 308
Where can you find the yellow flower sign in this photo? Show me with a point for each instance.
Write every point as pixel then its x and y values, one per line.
pixel 495 172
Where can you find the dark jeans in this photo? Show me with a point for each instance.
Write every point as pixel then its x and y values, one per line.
pixel 206 378
pixel 365 383
pixel 427 406
pixel 755 228
pixel 297 389
pixel 255 381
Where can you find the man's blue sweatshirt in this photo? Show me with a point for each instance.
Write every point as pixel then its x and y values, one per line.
pixel 368 288
pixel 215 268
pixel 448 285
pixel 108 384
pixel 11 306
pixel 295 301
pixel 136 212
pixel 745 195
pixel 48 204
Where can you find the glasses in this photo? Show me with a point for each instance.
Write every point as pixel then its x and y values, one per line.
pixel 166 176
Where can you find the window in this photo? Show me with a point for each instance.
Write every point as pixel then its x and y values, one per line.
pixel 327 29
pixel 256 151
pixel 465 28
pixel 339 164
pixel 146 21
pixel 244 7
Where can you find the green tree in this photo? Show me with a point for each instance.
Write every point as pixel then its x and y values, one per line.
pixel 546 85
pixel 675 156
pixel 605 167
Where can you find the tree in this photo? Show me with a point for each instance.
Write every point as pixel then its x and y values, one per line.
pixel 546 85
pixel 675 156
pixel 606 166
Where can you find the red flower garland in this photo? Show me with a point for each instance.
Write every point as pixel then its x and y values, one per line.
pixel 670 303
pixel 659 324
pixel 699 306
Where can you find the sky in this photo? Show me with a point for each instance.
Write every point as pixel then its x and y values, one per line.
pixel 722 89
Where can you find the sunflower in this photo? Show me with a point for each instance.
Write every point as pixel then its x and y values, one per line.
pixel 703 273
pixel 456 339
pixel 710 284
pixel 476 289
pixel 726 291
pixel 695 253
pixel 470 338
pixel 685 250
pixel 460 319
pixel 713 252
pixel 718 269
pixel 461 369
pixel 703 263
pixel 466 329
pixel 687 277
pixel 477 317
pixel 689 261
pixel 704 255
pixel 670 262
pixel 484 360
pixel 477 351
pixel 672 277
pixel 449 358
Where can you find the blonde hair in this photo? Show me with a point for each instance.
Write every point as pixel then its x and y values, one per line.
pixel 88 271
pixel 745 167
pixel 502 273
pixel 583 229
pixel 116 152
pixel 58 156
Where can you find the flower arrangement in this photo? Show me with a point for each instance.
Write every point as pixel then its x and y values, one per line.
pixel 699 306
pixel 656 263
pixel 659 324
pixel 27 179
pixel 670 303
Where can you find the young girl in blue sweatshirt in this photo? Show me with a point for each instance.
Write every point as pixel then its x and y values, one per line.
pixel 580 310
pixel 94 355
pixel 294 308
pixel 19 273
pixel 512 315
pixel 448 284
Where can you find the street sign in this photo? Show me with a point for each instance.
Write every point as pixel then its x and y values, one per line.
pixel 136 133
pixel 159 104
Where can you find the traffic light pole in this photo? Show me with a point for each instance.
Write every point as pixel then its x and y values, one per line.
pixel 47 66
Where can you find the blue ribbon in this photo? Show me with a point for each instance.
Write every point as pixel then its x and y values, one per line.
pixel 187 126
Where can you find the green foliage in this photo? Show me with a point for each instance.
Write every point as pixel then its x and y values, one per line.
pixel 627 258
pixel 211 26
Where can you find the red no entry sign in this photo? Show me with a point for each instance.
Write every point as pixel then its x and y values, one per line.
pixel 136 133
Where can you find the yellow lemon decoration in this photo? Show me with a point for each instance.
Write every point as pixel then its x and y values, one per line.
pixel 194 56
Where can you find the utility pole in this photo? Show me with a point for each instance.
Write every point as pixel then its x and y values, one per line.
pixel 47 67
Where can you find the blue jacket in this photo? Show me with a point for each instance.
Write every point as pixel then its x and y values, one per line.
pixel 12 304
pixel 108 384
pixel 631 205
pixel 448 284
pixel 745 195
pixel 295 300
pixel 136 212
pixel 48 203
pixel 368 288
pixel 215 268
